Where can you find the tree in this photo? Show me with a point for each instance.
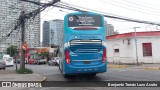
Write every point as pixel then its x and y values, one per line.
pixel 44 54
pixel 12 51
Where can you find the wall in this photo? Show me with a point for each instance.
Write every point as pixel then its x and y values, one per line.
pixel 127 52
pixel 155 58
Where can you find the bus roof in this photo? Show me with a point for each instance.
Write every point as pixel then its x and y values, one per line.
pixel 83 13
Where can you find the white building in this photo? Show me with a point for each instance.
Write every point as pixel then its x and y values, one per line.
pixel 55 31
pixel 9 12
pixel 121 48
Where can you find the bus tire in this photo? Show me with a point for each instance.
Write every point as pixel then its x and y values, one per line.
pixel 93 74
pixel 60 67
pixel 66 76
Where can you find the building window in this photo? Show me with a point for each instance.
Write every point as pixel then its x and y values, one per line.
pixel 116 50
pixel 147 49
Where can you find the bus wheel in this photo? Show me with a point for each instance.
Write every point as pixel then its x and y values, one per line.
pixel 93 74
pixel 66 76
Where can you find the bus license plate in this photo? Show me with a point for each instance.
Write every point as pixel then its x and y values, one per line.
pixel 86 62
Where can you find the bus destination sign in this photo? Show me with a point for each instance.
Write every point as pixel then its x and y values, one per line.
pixel 85 20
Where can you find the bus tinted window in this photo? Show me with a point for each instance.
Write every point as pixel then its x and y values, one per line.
pixel 85 20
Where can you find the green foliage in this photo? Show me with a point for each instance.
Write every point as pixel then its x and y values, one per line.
pixel 24 71
pixel 55 55
pixel 12 51
pixel 44 54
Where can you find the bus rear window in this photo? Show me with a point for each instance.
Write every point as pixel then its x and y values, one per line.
pixel 84 21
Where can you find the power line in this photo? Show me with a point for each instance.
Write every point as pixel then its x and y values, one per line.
pixel 29 15
pixel 137 6
pixel 42 8
pixel 64 6
pixel 23 19
pixel 117 5
pixel 113 16
pixel 10 26
pixel 148 4
pixel 55 13
pixel 68 6
pixel 45 14
pixel 17 25
pixel 140 5
pixel 36 3
pixel 116 20
pixel 63 3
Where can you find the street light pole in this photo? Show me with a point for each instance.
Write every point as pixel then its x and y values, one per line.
pixel 135 38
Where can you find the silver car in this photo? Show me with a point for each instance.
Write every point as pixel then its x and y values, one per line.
pixel 54 61
pixel 2 64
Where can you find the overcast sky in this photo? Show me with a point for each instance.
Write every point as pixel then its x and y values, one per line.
pixel 148 10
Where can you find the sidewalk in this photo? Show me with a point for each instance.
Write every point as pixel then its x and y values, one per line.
pixel 11 75
pixel 149 66
pixel 141 66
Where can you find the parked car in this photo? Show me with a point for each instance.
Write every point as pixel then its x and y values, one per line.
pixel 40 61
pixel 54 61
pixel 9 61
pixel 31 61
pixel 2 64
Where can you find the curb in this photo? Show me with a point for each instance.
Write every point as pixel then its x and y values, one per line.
pixel 151 68
pixel 44 79
pixel 117 66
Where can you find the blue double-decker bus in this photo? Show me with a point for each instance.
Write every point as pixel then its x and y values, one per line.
pixel 83 44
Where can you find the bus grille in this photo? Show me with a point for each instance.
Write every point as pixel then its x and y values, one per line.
pixel 85 46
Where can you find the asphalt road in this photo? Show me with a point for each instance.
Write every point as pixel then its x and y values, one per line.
pixel 129 74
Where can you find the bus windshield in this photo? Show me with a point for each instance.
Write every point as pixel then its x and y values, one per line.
pixel 84 20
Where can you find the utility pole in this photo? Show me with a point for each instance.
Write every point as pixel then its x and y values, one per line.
pixel 10 44
pixel 23 17
pixel 135 38
pixel 22 20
